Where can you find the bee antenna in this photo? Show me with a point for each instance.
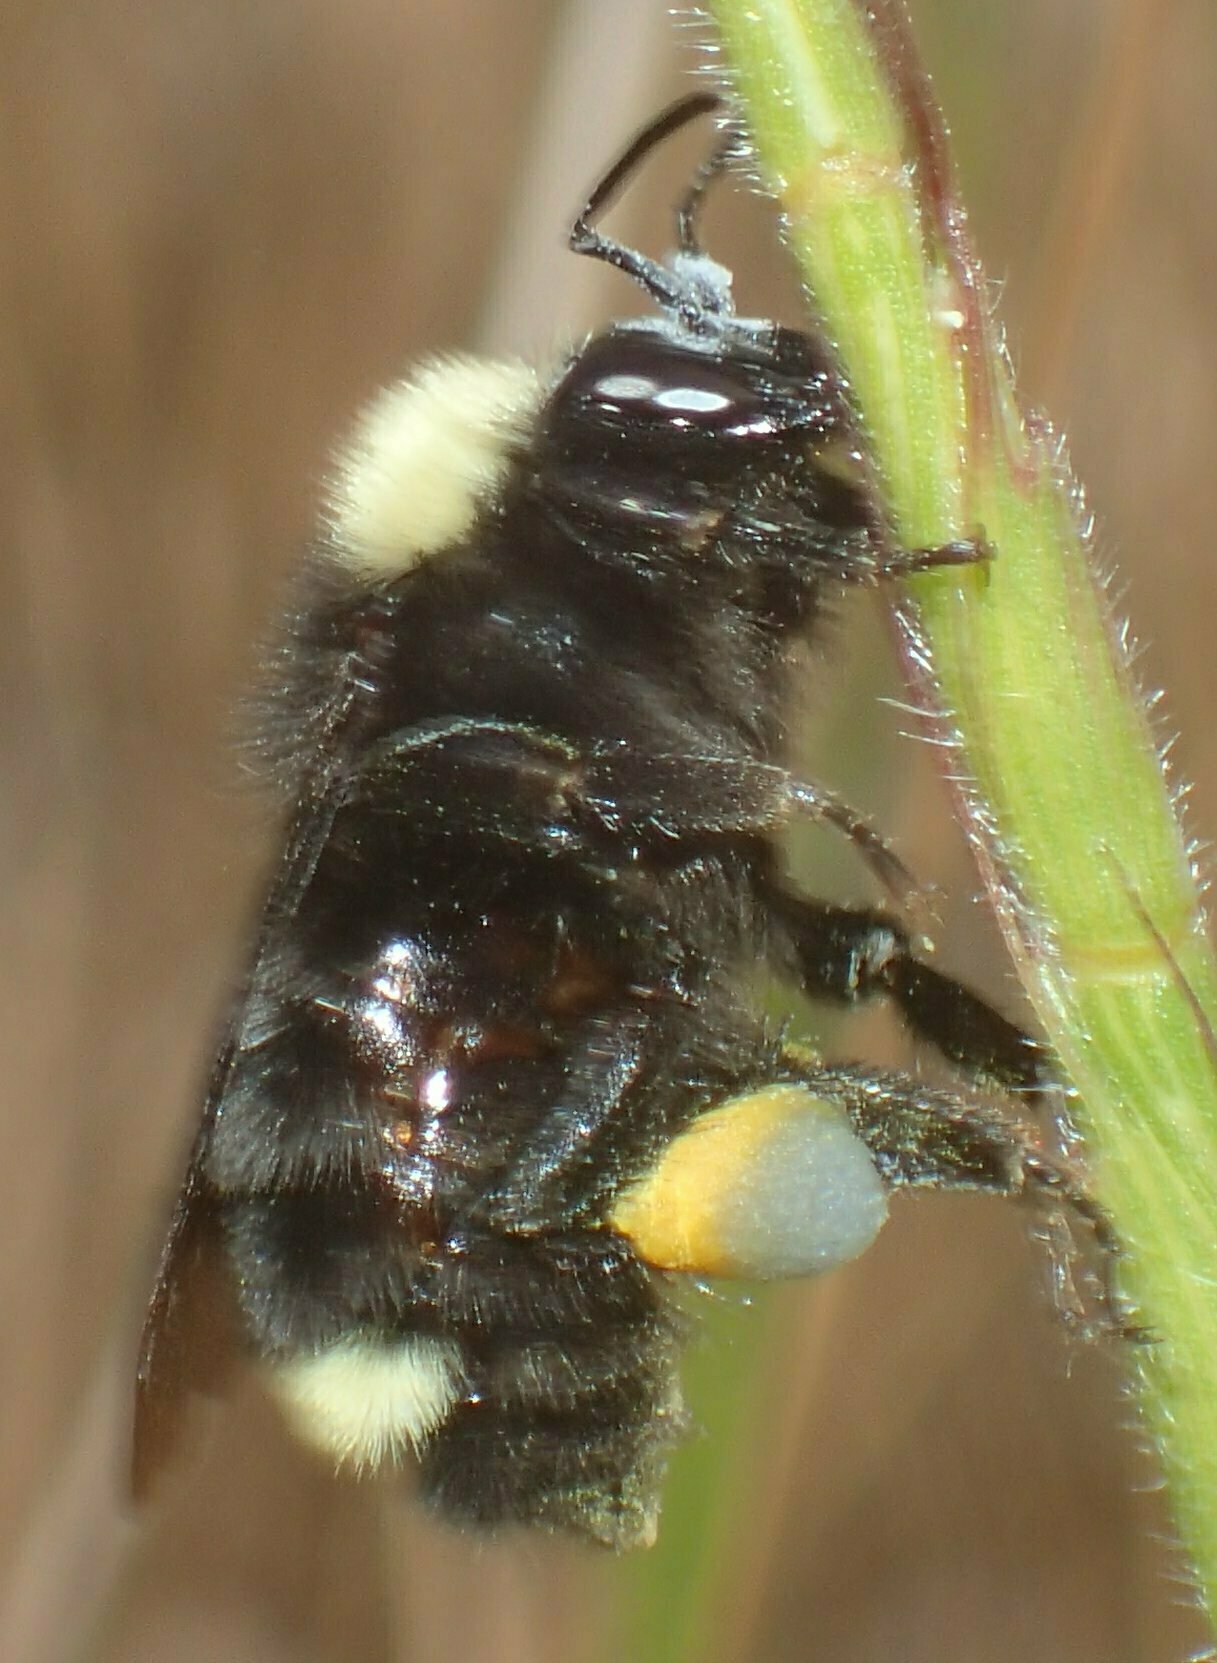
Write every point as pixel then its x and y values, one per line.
pixel 664 286
pixel 688 215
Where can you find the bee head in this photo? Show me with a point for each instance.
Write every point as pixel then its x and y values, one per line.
pixel 693 418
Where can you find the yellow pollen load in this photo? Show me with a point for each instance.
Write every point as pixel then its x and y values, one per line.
pixel 774 1183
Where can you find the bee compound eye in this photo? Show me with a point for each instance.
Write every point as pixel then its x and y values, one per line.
pixel 640 382
pixel 696 396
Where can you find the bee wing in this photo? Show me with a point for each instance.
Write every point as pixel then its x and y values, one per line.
pixel 191 1336
pixel 189 1342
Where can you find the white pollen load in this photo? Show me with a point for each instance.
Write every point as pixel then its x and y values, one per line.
pixel 810 1200
pixel 425 455
pixel 365 1402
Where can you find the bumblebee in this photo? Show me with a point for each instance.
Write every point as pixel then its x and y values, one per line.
pixel 498 1082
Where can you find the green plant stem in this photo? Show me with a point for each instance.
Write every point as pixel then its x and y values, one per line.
pixel 1064 796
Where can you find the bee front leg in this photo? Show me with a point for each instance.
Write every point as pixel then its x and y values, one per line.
pixel 898 562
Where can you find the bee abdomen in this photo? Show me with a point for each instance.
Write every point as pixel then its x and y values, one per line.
pixel 534 1375
pixel 572 1397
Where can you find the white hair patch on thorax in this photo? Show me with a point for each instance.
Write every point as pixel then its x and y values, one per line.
pixel 365 1402
pixel 425 455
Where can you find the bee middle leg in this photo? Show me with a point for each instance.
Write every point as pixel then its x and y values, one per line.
pixel 852 954
pixel 846 954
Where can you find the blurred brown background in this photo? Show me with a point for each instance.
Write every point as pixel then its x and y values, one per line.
pixel 223 225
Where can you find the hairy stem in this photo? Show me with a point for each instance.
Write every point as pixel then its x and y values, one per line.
pixel 1018 663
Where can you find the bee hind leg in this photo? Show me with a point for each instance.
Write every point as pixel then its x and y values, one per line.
pixel 943 1140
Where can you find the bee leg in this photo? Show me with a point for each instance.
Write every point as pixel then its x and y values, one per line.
pixel 550 1173
pixel 541 789
pixel 898 562
pixel 872 557
pixel 791 1176
pixel 690 795
pixel 851 954
pixel 948 1140
pixel 922 1137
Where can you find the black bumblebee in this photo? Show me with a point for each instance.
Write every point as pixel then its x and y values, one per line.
pixel 498 1079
